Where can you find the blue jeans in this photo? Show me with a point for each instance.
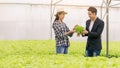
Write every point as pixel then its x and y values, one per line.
pixel 91 53
pixel 61 49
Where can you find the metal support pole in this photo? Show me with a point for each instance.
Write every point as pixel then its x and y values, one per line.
pixel 107 28
pixel 51 19
pixel 101 9
pixel 51 15
pixel 114 4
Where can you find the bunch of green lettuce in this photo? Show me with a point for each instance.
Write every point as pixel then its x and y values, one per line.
pixel 79 29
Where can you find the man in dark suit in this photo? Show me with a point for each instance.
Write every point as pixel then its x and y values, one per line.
pixel 94 29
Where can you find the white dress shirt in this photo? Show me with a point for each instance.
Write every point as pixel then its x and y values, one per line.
pixel 91 25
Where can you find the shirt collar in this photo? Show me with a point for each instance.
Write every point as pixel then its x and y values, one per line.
pixel 94 20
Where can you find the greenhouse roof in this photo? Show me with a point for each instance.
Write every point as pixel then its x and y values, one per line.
pixel 65 2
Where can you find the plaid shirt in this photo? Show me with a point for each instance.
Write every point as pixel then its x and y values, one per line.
pixel 60 29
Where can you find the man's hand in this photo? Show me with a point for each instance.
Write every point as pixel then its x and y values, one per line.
pixel 85 32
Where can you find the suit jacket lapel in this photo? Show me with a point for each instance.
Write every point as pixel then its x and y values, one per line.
pixel 94 25
pixel 88 25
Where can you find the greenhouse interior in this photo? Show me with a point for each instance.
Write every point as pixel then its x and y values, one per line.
pixel 28 40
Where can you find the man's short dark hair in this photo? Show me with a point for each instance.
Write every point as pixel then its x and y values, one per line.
pixel 93 10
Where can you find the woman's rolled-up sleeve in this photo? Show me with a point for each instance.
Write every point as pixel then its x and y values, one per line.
pixel 67 29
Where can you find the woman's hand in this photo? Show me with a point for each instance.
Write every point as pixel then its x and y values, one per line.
pixel 71 31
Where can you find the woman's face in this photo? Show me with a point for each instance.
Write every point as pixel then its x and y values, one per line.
pixel 61 16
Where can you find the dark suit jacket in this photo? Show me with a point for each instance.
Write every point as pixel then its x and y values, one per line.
pixel 94 36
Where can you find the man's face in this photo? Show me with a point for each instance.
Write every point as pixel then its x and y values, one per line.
pixel 91 15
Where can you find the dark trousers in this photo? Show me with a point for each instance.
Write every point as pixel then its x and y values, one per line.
pixel 91 52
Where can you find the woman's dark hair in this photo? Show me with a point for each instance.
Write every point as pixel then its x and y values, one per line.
pixel 93 10
pixel 57 17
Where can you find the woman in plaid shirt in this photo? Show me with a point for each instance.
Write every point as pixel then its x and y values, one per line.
pixel 61 33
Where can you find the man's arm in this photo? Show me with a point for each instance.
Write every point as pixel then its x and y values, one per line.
pixel 84 32
pixel 95 34
pixel 99 31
